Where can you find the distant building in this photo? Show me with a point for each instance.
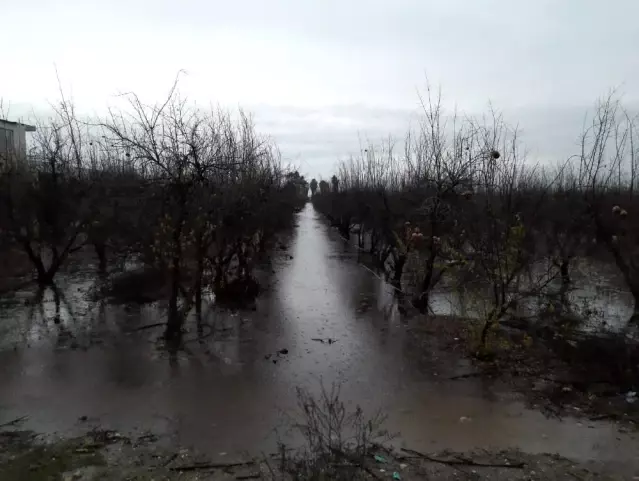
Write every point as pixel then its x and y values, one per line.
pixel 13 141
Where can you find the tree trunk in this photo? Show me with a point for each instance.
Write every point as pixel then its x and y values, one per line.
pixel 634 319
pixel 564 271
pixel 373 245
pixel 399 269
pixel 174 322
pixel 484 334
pixel 100 251
pixel 492 318
pixel 630 276
pixel 43 275
pixel 422 302
pixel 198 282
pixel 262 243
pixel 56 299
pixel 344 227
pixel 427 281
pixel 628 270
pixel 383 257
pixel 242 271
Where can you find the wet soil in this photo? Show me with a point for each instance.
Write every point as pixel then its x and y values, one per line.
pixel 109 456
pixel 590 377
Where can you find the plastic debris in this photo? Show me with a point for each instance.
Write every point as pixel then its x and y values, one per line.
pixel 380 459
pixel 631 397
pixel 396 476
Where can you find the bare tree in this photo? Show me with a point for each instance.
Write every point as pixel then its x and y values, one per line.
pixel 46 198
pixel 500 245
pixel 211 174
pixel 607 170
pixel 170 143
pixel 441 159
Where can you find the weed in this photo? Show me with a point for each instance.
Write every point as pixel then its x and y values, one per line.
pixel 337 442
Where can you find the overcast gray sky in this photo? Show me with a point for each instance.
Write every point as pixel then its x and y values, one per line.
pixel 318 72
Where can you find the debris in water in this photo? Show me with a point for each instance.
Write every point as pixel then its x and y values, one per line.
pixel 283 351
pixel 380 459
pixel 464 419
pixel 631 396
pixel 324 341
pixel 396 476
pixel 14 422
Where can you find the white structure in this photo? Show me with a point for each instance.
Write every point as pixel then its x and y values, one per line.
pixel 13 141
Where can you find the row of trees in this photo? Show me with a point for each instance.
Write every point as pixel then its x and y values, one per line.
pixel 461 200
pixel 194 194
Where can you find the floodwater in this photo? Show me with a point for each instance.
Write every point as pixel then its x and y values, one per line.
pixel 225 393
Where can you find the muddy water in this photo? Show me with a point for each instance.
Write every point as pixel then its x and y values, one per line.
pixel 225 393
pixel 598 297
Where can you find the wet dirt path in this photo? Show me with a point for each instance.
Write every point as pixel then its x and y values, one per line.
pixel 226 393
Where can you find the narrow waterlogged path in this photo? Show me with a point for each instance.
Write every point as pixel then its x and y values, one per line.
pixel 232 391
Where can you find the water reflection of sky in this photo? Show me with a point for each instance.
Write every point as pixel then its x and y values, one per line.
pixel 226 393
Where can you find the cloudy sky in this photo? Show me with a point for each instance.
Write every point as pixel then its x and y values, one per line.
pixel 320 75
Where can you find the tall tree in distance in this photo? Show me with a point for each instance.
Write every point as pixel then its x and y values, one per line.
pixel 335 183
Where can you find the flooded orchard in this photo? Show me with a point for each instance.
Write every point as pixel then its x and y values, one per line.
pixel 322 317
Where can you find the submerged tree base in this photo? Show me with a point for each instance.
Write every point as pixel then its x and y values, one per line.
pixel 561 371
pixel 138 286
pixel 238 292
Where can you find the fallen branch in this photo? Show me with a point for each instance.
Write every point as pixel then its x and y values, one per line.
pixel 169 460
pixel 355 462
pixel 576 476
pixel 467 375
pixel 248 476
pixel 14 422
pixel 147 326
pixel 603 417
pixel 196 467
pixel 463 462
pixel 324 341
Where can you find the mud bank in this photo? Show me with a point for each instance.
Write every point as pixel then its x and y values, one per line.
pixel 107 455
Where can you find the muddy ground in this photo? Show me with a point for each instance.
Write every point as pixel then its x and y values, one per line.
pixel 107 455
pixel 593 378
